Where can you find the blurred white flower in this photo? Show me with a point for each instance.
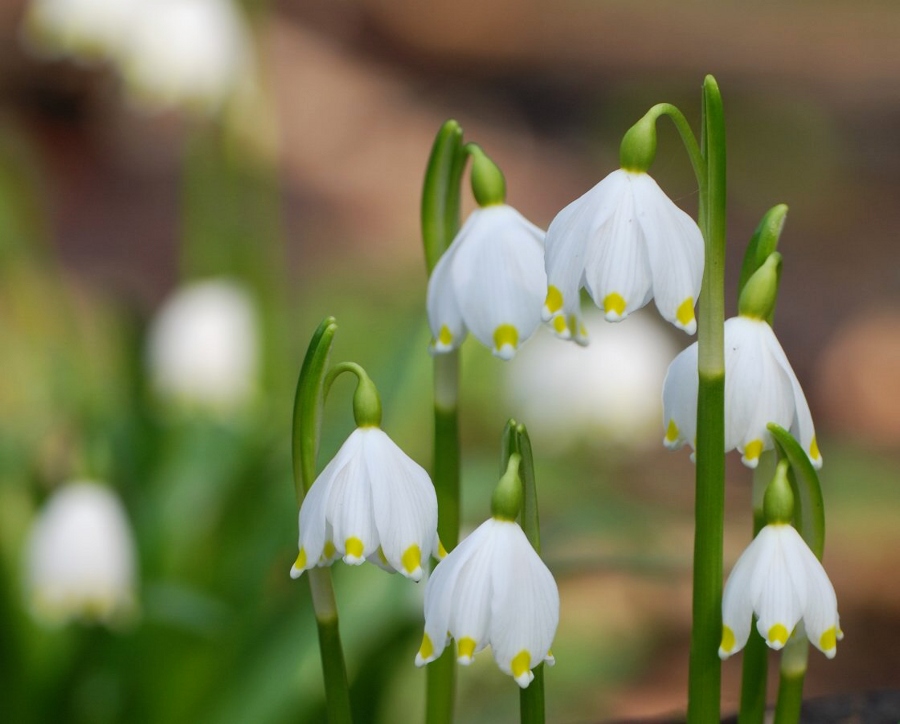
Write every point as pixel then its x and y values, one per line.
pixel 779 579
pixel 80 557
pixel 188 53
pixel 371 502
pixel 493 588
pixel 760 387
pixel 490 281
pixel 626 242
pixel 608 390
pixel 203 346
pixel 86 30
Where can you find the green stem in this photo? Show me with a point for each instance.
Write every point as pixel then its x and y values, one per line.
pixel 790 686
pixel 756 654
pixel 704 684
pixel 304 448
pixel 531 699
pixel 698 162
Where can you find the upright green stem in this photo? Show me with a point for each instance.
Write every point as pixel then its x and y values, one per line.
pixel 440 221
pixel 704 670
pixel 304 448
pixel 793 672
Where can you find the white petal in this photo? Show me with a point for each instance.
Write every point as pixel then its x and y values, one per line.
pixel 675 251
pixel 802 424
pixel 439 593
pixel 498 273
pixel 821 615
pixel 680 399
pixel 404 502
pixel 349 507
pixel 444 317
pixel 737 602
pixel 617 269
pixel 525 607
pixel 781 598
pixel 470 614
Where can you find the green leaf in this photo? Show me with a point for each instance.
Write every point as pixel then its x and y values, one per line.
pixel 441 192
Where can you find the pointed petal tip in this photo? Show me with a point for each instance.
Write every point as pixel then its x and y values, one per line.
pixel 523 680
pixel 296 572
pixel 506 352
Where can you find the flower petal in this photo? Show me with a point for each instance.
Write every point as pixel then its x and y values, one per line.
pixel 737 601
pixel 782 595
pixel 680 399
pixel 821 615
pixel 444 316
pixel 349 506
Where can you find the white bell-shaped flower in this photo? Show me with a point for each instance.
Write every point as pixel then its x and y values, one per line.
pixel 80 557
pixel 779 579
pixel 187 53
pixel 493 588
pixel 203 346
pixel 760 387
pixel 371 502
pixel 490 281
pixel 626 242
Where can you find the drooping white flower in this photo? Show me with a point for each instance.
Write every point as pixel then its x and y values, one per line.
pixel 86 30
pixel 760 387
pixel 203 346
pixel 779 579
pixel 80 557
pixel 371 502
pixel 626 242
pixel 493 588
pixel 490 281
pixel 187 53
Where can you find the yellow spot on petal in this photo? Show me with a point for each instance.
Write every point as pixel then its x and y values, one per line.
pixel 672 434
pixel 685 312
pixel 521 664
pixel 828 641
pixel 559 325
pixel 426 650
pixel 300 563
pixel 778 634
pixel 554 301
pixel 814 449
pixel 466 647
pixel 753 449
pixel 505 335
pixel 411 558
pixel 329 550
pixel 445 337
pixel 614 305
pixel 442 552
pixel 354 547
pixel 728 641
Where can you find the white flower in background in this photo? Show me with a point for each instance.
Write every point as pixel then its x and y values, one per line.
pixel 203 346
pixel 626 242
pixel 490 281
pixel 192 53
pixel 371 502
pixel 779 579
pixel 607 390
pixel 80 557
pixel 493 588
pixel 760 387
pixel 87 30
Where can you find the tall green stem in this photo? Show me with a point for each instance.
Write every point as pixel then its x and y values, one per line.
pixel 440 221
pixel 704 670
pixel 304 448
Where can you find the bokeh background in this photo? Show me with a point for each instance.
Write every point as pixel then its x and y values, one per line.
pixel 310 201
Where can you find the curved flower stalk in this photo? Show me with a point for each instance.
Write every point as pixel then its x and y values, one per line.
pixel 492 589
pixel 626 242
pixel 80 557
pixel 491 279
pixel 203 347
pixel 760 387
pixel 371 502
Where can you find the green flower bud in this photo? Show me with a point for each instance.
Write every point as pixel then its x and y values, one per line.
pixel 366 402
pixel 507 498
pixel 763 242
pixel 761 290
pixel 488 183
pixel 638 147
pixel 778 503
